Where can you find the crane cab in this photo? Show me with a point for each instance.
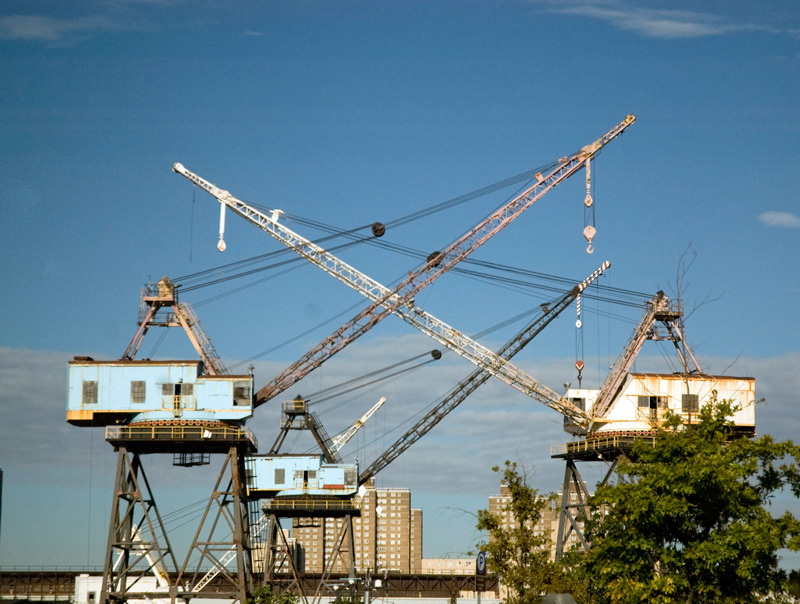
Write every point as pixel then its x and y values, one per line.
pixel 272 476
pixel 644 398
pixel 105 393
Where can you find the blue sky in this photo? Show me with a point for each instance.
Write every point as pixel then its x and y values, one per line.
pixel 353 112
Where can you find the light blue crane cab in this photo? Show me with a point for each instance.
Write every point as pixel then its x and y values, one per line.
pixel 104 393
pixel 299 475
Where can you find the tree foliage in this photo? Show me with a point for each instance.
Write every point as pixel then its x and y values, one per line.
pixel 265 595
pixel 690 521
pixel 519 554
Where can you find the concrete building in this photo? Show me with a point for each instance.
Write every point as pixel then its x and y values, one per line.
pixel 547 525
pixel 387 535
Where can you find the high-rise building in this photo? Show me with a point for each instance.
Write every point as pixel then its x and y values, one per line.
pixel 548 522
pixel 386 536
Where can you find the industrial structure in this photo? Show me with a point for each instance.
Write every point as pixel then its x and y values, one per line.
pixel 604 421
pixel 400 301
pixel 630 406
pixel 189 410
pixel 192 409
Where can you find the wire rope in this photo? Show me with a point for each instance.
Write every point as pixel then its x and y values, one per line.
pixel 157 344
pixel 330 389
pixel 382 379
pixel 190 282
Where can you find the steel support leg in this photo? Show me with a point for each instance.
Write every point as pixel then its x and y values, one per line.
pixel 137 540
pixel 222 536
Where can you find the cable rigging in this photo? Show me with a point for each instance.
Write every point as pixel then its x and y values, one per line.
pixel 350 233
pixel 616 295
pixel 186 285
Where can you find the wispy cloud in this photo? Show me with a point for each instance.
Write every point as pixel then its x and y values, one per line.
pixel 39 28
pixel 656 22
pixel 255 34
pixel 780 219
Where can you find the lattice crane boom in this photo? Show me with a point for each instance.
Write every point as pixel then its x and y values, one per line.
pixel 340 440
pixel 400 299
pixel 387 301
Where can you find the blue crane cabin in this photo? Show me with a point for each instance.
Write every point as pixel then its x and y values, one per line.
pixel 106 393
pixel 299 475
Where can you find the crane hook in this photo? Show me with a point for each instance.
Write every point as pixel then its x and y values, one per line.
pixel 589 232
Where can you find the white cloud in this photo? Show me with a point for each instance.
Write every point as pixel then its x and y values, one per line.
pixel 39 28
pixel 780 219
pixel 655 22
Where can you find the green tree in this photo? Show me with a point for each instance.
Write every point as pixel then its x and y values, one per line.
pixel 265 595
pixel 519 555
pixel 690 521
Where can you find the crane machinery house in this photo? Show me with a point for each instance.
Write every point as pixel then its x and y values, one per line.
pixel 644 399
pixel 300 475
pixel 106 393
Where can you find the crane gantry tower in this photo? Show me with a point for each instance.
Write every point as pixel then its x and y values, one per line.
pixel 187 409
pixel 628 407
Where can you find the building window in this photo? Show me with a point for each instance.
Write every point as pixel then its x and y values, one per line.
pixel 138 390
pixel 690 403
pixel 89 394
pixel 280 476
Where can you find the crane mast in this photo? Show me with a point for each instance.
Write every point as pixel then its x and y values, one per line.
pixel 474 380
pixel 164 295
pixel 660 310
pixel 400 299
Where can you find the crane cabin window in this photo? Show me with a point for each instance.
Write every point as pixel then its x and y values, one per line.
pixel 179 389
pixel 579 402
pixel 690 403
pixel 280 476
pixel 242 394
pixel 652 402
pixel 138 391
pixel 89 392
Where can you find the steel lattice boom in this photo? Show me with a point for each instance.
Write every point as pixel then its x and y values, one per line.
pixel 474 380
pixel 399 300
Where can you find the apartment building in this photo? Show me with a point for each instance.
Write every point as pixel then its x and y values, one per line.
pixel 387 536
pixel 548 522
